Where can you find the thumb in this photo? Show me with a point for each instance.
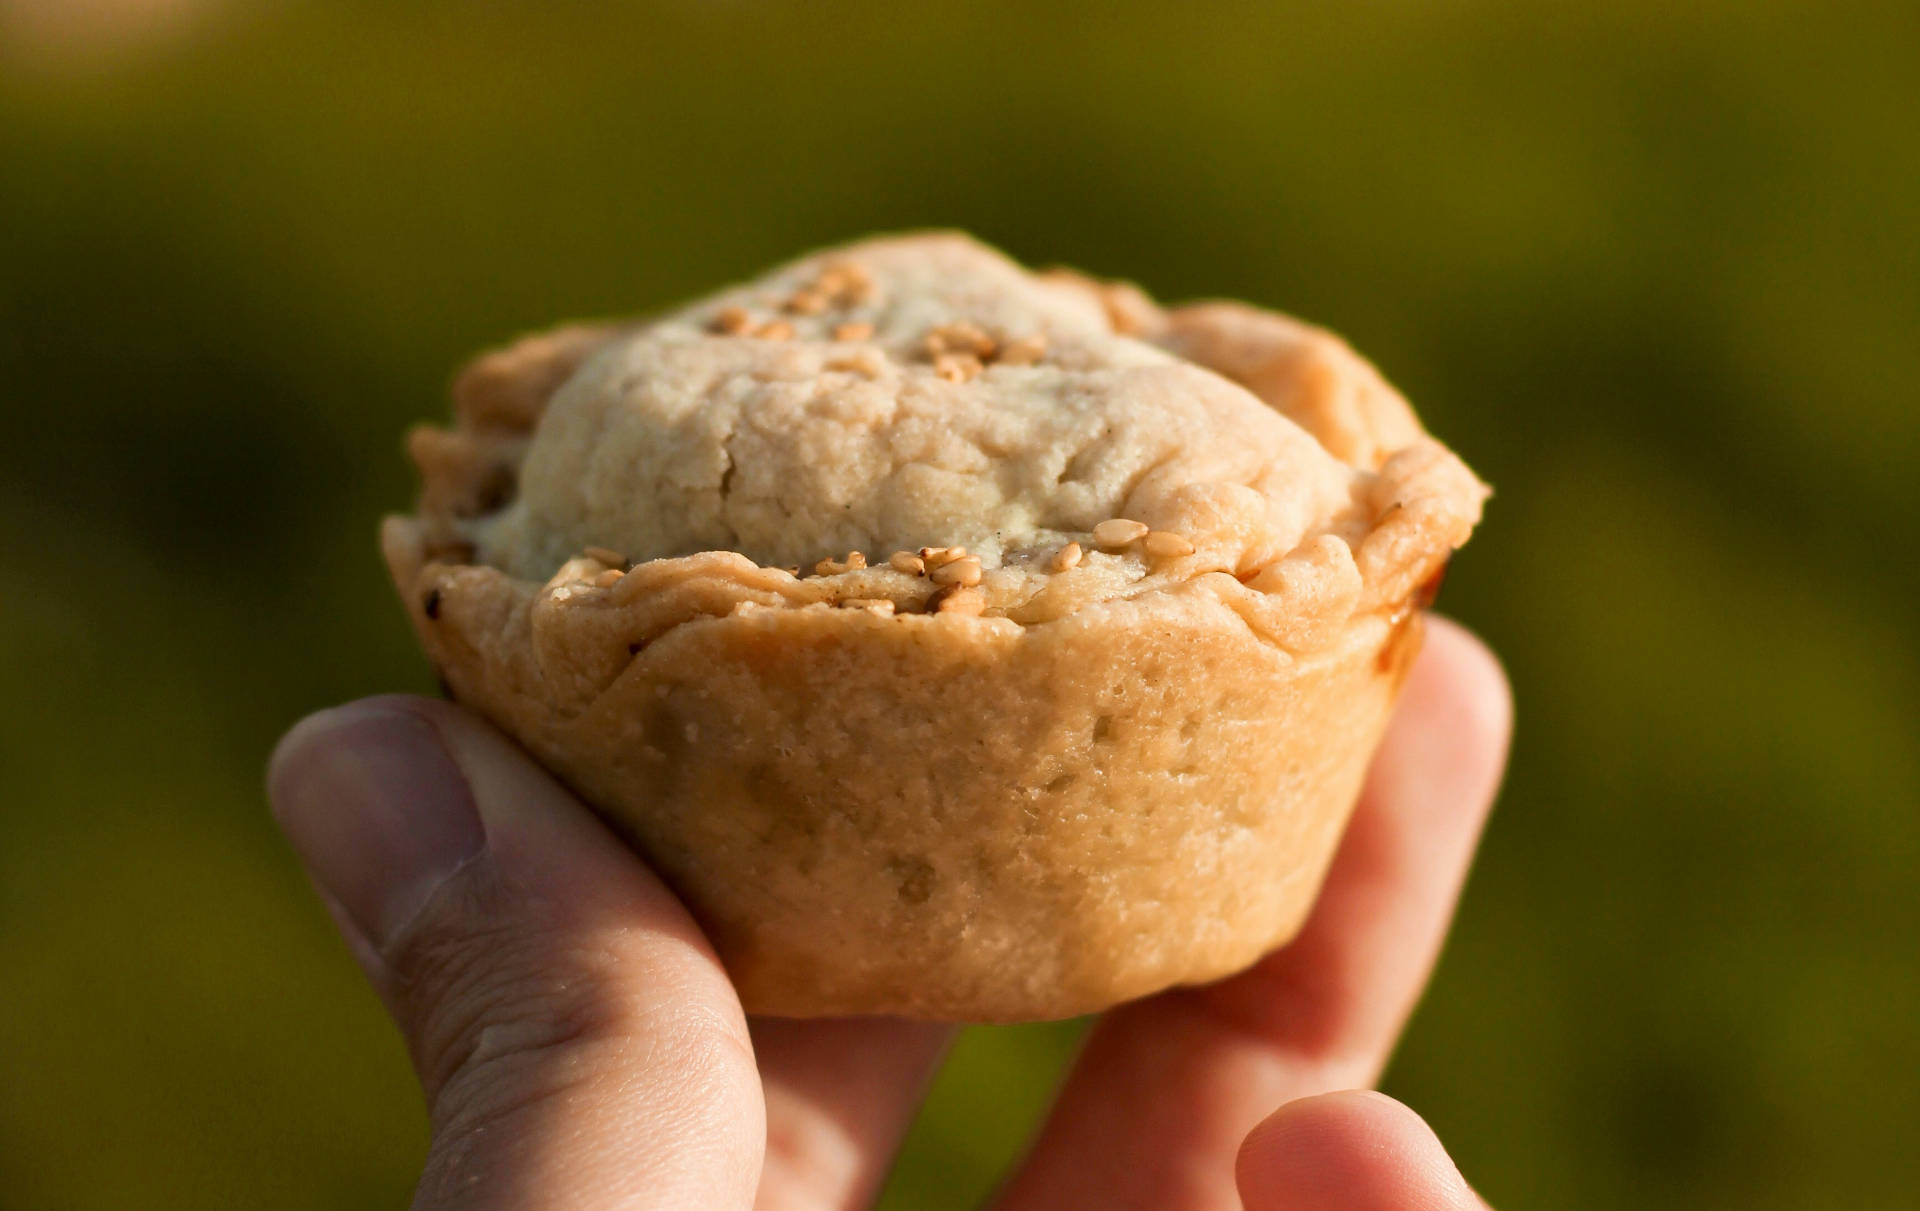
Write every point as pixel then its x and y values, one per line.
pixel 1351 1151
pixel 578 1043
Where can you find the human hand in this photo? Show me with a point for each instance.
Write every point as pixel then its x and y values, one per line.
pixel 580 1046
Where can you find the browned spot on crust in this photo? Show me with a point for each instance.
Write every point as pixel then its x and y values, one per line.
pixel 1429 590
pixel 431 606
pixel 494 491
pixel 451 551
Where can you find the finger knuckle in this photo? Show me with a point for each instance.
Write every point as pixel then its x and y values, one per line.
pixel 505 1011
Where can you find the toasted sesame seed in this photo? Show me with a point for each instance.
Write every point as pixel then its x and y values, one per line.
pixel 858 331
pixel 608 578
pixel 1128 308
pixel 1066 558
pixel 935 556
pixel 960 337
pixel 775 330
pixel 908 562
pixel 963 571
pixel 958 599
pixel 867 362
pixel 833 567
pixel 957 367
pixel 807 302
pixel 1023 352
pixel 1165 544
pixel 732 321
pixel 1117 532
pixel 878 605
pixel 606 555
pixel 848 282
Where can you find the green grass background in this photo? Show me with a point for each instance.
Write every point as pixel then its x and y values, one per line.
pixel 1653 268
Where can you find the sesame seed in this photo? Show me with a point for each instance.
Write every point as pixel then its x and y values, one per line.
pixel 935 556
pixel 1023 352
pixel 876 605
pixel 606 555
pixel 963 571
pixel 1117 532
pixel 957 367
pixel 608 578
pixel 850 282
pixel 960 337
pixel 958 599
pixel 775 330
pixel 1066 558
pixel 908 562
pixel 845 282
pixel 1165 544
pixel 858 331
pixel 732 321
pixel 807 302
pixel 833 567
pixel 867 363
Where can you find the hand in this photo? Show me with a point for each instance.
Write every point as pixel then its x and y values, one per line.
pixel 580 1046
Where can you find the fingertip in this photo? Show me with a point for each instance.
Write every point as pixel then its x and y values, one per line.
pixel 376 808
pixel 1459 668
pixel 298 742
pixel 1446 749
pixel 1353 1151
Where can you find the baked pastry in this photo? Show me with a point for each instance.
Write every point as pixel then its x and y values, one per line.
pixel 959 642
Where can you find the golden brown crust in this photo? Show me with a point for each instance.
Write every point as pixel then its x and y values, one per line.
pixel 1304 372
pixel 929 788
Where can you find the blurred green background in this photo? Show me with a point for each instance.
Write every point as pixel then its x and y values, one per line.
pixel 1653 268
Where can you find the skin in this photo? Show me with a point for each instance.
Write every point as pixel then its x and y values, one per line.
pixel 579 1045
